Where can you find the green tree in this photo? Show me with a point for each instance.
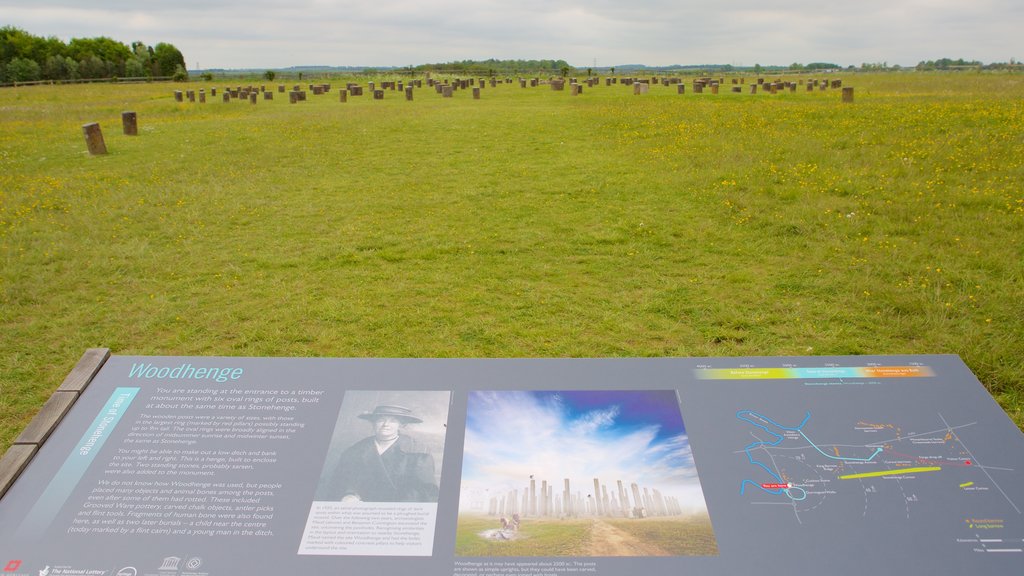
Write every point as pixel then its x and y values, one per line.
pixel 114 54
pixel 16 43
pixel 167 58
pixel 93 67
pixel 270 75
pixel 60 68
pixel 142 57
pixel 23 70
pixel 135 69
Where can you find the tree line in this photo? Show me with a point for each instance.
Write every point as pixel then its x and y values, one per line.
pixel 26 58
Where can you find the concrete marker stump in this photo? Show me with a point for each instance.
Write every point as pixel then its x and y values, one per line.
pixel 202 97
pixel 252 98
pixel 178 96
pixel 129 123
pixel 343 95
pixel 408 94
pixel 848 94
pixel 476 93
pixel 94 139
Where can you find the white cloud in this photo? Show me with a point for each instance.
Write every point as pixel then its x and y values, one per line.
pixel 514 437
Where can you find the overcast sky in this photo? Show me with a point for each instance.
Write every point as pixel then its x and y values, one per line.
pixel 276 33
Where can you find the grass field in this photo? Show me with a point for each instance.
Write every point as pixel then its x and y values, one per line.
pixel 526 223
pixel 578 537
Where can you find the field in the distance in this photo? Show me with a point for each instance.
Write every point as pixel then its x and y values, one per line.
pixel 526 223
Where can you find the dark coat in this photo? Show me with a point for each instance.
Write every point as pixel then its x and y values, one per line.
pixel 403 473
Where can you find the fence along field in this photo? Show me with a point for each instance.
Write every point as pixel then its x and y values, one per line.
pixel 528 222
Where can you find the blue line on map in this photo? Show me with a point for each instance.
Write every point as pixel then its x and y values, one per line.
pixel 793 492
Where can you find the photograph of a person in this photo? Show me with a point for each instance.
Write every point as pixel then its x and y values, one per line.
pixel 580 473
pixel 387 447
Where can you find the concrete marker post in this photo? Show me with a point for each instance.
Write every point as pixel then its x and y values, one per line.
pixel 94 139
pixel 129 123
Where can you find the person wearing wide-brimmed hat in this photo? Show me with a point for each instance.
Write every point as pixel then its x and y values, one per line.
pixel 387 467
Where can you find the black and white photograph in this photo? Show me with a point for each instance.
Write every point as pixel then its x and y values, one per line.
pixel 378 491
pixel 387 447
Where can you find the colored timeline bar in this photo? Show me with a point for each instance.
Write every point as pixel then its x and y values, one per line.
pixel 812 373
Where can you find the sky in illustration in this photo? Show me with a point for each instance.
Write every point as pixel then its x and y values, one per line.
pixel 633 436
pixel 271 34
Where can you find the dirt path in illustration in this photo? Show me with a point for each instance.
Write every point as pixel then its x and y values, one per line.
pixel 607 540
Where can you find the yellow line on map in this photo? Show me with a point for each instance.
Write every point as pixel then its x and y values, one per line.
pixel 966 484
pixel 896 472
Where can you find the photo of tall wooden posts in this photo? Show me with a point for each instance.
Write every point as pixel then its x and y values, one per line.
pixel 580 473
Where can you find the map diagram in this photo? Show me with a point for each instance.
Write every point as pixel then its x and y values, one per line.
pixel 879 471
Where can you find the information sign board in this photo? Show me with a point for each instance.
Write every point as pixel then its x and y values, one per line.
pixel 219 466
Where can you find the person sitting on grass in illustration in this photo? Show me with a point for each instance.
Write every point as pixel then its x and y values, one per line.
pixel 387 467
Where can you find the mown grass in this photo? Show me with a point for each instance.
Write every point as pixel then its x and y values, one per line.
pixel 535 538
pixel 690 536
pixel 527 223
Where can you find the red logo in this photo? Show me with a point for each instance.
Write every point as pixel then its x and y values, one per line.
pixel 12 566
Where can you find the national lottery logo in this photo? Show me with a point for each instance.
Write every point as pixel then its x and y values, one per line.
pixel 127 571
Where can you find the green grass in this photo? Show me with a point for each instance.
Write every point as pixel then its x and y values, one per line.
pixel 527 223
pixel 535 538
